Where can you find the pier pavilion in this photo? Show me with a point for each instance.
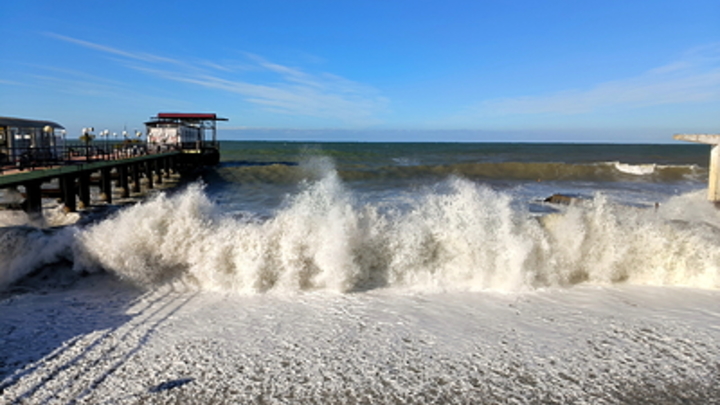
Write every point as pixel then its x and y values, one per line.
pixel 25 142
pixel 192 133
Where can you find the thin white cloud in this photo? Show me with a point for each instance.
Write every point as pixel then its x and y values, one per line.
pixel 694 79
pixel 107 49
pixel 279 89
pixel 11 83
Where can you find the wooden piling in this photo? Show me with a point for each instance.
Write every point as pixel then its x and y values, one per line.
pixel 157 165
pixel 149 174
pixel 106 185
pixel 33 198
pixel 123 181
pixel 84 189
pixel 136 177
pixel 67 189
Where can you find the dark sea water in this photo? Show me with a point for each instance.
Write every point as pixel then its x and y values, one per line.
pixel 631 173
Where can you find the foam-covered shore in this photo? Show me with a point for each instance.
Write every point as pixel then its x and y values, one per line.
pixel 103 342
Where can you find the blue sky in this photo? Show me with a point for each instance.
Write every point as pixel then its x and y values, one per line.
pixel 504 70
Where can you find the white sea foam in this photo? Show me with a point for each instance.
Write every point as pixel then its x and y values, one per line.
pixel 637 169
pixel 101 342
pixel 53 214
pixel 455 236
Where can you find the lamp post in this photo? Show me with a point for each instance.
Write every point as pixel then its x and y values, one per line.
pixel 114 134
pixel 138 134
pixel 116 147
pixel 105 133
pixel 50 134
pixel 86 137
pixel 64 145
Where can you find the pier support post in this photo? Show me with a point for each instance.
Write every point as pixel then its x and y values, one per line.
pixel 149 174
pixel 33 199
pixel 136 177
pixel 84 189
pixel 106 185
pixel 158 171
pixel 174 164
pixel 166 166
pixel 714 177
pixel 67 188
pixel 123 181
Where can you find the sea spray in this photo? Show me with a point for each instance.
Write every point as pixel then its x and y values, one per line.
pixel 603 242
pixel 457 235
pixel 150 242
pixel 24 249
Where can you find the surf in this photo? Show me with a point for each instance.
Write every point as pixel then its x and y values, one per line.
pixel 455 235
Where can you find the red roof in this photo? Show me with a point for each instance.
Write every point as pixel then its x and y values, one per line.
pixel 199 116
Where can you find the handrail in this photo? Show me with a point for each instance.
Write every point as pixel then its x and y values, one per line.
pixel 71 153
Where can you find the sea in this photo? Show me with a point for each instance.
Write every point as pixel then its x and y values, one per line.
pixel 416 272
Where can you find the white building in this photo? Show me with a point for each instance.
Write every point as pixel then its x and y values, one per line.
pixel 185 131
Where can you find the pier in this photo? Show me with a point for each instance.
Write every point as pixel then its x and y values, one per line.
pixel 34 154
pixel 75 179
pixel 714 177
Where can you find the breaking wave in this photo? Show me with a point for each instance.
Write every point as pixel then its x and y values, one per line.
pixel 456 235
pixel 24 249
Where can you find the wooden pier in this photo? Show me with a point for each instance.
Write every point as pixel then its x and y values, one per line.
pixel 76 179
pixel 32 154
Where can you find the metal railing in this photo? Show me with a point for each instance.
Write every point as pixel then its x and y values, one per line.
pixel 79 152
pixel 72 152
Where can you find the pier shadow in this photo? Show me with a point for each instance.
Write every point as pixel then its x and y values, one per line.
pixel 54 329
pixel 44 315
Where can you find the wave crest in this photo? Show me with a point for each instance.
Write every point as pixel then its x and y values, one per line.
pixel 456 235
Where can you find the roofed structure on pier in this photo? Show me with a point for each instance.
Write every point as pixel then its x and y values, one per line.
pixel 27 140
pixel 183 130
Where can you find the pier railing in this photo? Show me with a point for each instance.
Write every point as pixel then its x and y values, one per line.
pixel 17 159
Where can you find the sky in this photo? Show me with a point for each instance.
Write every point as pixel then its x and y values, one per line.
pixel 393 70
